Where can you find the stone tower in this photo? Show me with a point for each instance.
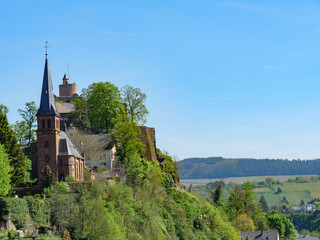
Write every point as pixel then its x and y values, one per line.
pixel 48 134
pixel 67 91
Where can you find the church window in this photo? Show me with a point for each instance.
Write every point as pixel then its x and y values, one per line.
pixel 49 123
pixel 66 161
pixel 46 144
pixel 61 162
pixel 43 124
pixel 47 158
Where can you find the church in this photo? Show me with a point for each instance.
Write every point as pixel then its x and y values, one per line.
pixel 54 147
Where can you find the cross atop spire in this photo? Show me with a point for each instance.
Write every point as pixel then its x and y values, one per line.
pixel 46 47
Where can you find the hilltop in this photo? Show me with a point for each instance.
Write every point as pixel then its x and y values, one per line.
pixel 219 167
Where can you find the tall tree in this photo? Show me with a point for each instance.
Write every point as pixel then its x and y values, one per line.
pixel 216 194
pixel 21 131
pixel 125 136
pixel 29 116
pixel 242 200
pixel 264 204
pixel 134 99
pixel 13 149
pixel 80 115
pixel 47 178
pixel 5 172
pixel 105 105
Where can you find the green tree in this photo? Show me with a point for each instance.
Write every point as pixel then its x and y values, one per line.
pixel 29 116
pixel 264 204
pixel 4 108
pixel 125 136
pixel 21 131
pixel 105 105
pixel 13 149
pixel 242 200
pixel 47 178
pixel 282 224
pixel 216 194
pixel 244 223
pixel 80 115
pixel 134 99
pixel 5 172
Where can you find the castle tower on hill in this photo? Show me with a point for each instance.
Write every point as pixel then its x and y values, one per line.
pixel 54 147
pixel 67 91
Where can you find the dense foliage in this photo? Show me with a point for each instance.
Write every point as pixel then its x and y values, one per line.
pixel 17 159
pixel 98 107
pixel 134 99
pixel 218 167
pixel 5 172
pixel 143 207
pixel 29 116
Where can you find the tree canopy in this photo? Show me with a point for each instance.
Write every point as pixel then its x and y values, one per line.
pixel 134 100
pixel 13 149
pixel 104 105
pixel 5 172
pixel 29 116
pixel 126 137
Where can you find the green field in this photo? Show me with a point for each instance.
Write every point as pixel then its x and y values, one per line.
pixel 293 191
pixel 239 180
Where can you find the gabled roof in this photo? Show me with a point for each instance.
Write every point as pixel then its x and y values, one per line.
pixel 260 235
pixel 66 147
pixel 47 102
pixel 64 107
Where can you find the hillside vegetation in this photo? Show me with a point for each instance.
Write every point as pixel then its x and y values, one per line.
pixel 218 167
pixel 294 190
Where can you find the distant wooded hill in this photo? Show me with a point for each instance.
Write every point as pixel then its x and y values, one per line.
pixel 218 167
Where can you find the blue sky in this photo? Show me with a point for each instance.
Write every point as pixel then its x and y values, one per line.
pixel 222 78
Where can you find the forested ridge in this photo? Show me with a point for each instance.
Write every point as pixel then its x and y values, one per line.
pixel 219 167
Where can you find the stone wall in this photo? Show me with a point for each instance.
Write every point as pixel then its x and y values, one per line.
pixel 148 137
pixel 68 90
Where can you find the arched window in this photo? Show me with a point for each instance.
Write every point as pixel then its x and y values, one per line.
pixel 43 124
pixel 49 123
pixel 47 158
pixel 46 144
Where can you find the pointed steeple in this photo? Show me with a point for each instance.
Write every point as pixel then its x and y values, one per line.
pixel 47 103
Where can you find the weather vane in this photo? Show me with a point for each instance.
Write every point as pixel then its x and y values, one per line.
pixel 46 47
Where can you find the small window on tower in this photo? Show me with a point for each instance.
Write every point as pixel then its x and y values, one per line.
pixel 49 123
pixel 46 144
pixel 43 124
pixel 47 158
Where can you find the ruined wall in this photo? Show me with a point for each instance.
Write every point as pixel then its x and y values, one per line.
pixel 148 137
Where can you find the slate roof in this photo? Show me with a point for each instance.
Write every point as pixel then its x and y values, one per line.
pixel 47 102
pixel 66 147
pixel 260 235
pixel 64 107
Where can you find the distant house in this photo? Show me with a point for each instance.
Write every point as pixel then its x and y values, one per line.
pixel 260 235
pixel 307 208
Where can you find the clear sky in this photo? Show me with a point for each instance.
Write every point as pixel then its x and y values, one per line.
pixel 222 78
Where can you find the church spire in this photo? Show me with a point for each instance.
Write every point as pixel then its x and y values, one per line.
pixel 47 102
